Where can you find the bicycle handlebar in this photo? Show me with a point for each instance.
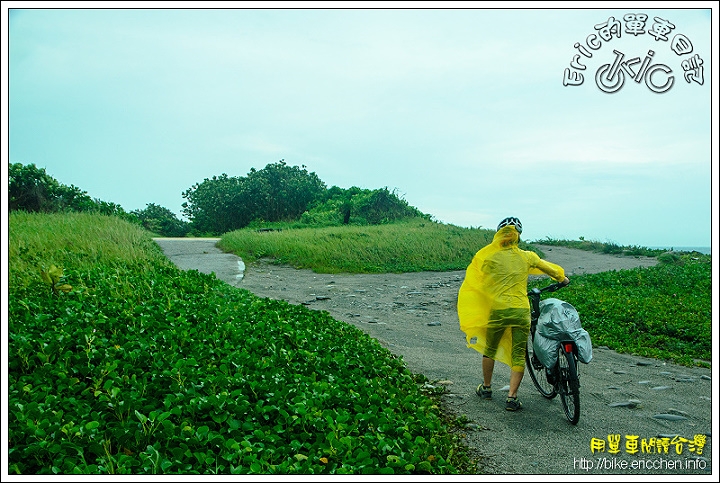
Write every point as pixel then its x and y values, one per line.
pixel 550 288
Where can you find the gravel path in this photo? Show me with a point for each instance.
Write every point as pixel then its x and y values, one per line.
pixel 414 316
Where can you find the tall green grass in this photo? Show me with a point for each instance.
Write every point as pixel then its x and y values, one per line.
pixel 77 240
pixel 409 246
pixel 609 248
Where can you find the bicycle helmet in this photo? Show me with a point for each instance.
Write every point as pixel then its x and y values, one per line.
pixel 511 220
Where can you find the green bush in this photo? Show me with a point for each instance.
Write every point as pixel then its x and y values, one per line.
pixel 161 221
pixel 31 189
pixel 276 193
pixel 669 257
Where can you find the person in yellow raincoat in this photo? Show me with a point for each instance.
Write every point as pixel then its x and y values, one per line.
pixel 493 306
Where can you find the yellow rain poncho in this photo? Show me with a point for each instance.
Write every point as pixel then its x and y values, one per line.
pixel 493 298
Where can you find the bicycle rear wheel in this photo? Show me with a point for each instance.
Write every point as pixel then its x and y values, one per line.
pixel 537 371
pixel 569 385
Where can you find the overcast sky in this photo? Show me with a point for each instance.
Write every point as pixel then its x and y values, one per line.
pixel 463 111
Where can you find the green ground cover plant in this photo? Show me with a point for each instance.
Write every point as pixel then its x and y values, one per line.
pixel 663 311
pixel 140 368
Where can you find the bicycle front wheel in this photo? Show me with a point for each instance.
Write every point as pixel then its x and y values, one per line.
pixel 537 371
pixel 569 385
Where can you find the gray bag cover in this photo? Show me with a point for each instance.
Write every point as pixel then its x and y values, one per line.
pixel 559 321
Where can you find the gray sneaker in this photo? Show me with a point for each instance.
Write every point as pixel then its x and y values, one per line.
pixel 512 404
pixel 484 392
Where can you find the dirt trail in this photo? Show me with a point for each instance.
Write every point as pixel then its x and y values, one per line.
pixel 414 315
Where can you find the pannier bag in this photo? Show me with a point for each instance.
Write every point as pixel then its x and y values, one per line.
pixel 559 321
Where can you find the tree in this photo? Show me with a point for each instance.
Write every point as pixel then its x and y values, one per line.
pixel 382 206
pixel 277 192
pixel 333 208
pixel 31 189
pixel 214 206
pixel 359 206
pixel 283 192
pixel 162 221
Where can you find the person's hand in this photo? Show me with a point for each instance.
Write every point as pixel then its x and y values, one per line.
pixel 565 281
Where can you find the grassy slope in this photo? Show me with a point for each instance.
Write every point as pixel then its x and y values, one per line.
pixel 411 246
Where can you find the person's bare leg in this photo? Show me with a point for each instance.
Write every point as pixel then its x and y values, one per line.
pixel 488 365
pixel 515 379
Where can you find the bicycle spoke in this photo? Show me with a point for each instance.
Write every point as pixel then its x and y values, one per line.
pixel 569 386
pixel 537 372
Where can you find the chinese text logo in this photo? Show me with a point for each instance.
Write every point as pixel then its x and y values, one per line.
pixel 611 77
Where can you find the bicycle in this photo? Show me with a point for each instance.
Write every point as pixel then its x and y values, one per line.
pixel 562 378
